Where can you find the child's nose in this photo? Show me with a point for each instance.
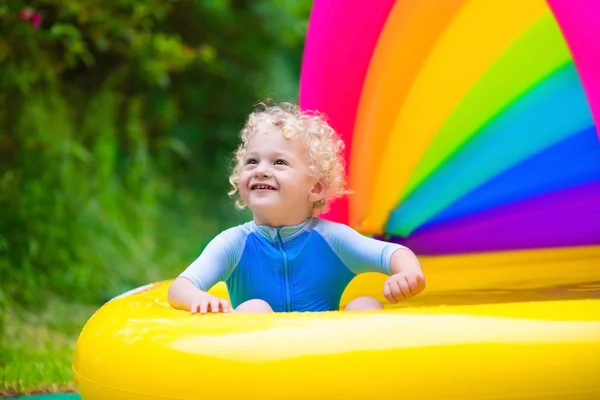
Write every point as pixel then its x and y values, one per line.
pixel 261 171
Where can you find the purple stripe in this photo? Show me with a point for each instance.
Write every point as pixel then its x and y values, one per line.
pixel 561 219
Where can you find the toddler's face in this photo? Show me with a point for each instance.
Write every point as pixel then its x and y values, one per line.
pixel 275 183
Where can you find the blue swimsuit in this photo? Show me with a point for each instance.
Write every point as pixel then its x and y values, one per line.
pixel 304 267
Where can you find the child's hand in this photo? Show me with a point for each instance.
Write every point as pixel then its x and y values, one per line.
pixel 211 304
pixel 402 286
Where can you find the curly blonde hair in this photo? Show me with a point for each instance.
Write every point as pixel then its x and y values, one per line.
pixel 324 147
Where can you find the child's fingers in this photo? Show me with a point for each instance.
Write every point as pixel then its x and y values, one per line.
pixel 416 284
pixel 404 287
pixel 412 283
pixel 214 305
pixel 224 305
pixel 395 290
pixel 196 308
pixel 420 283
pixel 203 306
pixel 401 287
pixel 387 292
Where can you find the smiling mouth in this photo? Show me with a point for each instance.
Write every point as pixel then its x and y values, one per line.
pixel 261 187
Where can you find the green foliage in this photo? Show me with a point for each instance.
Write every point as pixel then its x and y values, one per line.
pixel 78 36
pixel 118 118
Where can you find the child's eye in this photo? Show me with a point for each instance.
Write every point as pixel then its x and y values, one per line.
pixel 280 162
pixel 251 161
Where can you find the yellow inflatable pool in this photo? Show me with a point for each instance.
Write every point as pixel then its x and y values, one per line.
pixel 516 325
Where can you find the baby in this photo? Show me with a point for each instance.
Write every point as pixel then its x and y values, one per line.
pixel 287 170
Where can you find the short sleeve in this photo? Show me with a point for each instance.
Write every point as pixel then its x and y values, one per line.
pixel 218 259
pixel 359 253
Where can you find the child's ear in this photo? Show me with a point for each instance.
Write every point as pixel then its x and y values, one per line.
pixel 317 192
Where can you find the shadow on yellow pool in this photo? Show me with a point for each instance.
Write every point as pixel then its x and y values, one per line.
pixel 515 325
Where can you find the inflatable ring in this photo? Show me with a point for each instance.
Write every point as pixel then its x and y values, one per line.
pixel 453 341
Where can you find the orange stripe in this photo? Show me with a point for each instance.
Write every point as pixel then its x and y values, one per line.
pixel 410 32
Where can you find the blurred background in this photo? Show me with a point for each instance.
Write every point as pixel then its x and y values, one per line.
pixel 118 119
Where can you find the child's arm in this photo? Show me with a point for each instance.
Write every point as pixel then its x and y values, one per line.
pixel 405 261
pixel 407 279
pixel 185 295
pixel 189 291
pixel 364 254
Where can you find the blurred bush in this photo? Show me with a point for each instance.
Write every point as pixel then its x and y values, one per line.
pixel 118 118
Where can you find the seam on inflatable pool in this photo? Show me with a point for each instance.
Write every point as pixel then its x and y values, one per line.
pixel 81 378
pixel 134 291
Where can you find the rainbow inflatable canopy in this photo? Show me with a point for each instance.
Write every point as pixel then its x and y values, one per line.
pixel 470 126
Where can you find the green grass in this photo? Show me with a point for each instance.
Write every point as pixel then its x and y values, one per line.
pixel 37 348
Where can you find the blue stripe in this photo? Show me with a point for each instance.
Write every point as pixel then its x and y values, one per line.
pixel 572 162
